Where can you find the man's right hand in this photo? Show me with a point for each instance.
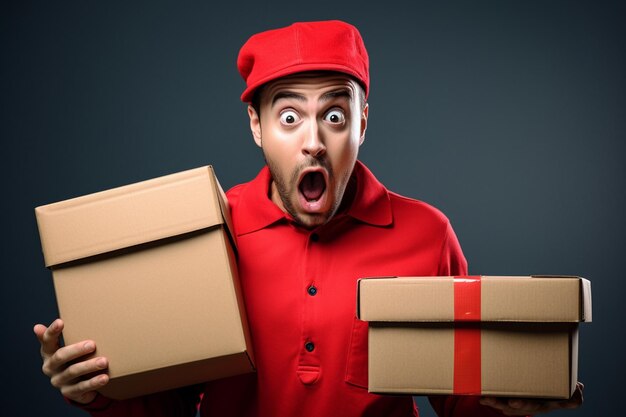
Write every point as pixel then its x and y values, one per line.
pixel 63 365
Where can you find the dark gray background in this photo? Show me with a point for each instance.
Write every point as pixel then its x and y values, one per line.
pixel 508 116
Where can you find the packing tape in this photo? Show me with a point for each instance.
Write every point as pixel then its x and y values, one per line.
pixel 467 354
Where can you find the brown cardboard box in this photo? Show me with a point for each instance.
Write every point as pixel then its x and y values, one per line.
pixel 500 336
pixel 148 272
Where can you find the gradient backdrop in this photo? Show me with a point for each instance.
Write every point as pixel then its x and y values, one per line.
pixel 510 116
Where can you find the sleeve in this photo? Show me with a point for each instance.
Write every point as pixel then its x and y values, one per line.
pixel 181 402
pixel 451 261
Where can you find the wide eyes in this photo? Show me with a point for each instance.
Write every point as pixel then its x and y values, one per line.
pixel 289 117
pixel 335 116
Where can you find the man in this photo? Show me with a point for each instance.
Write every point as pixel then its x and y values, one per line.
pixel 312 222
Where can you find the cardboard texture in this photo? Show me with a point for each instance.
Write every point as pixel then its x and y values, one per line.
pixel 148 272
pixel 499 336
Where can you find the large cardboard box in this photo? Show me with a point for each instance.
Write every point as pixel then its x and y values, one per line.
pixel 148 272
pixel 500 336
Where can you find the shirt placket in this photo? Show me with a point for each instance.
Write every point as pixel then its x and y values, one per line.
pixel 309 368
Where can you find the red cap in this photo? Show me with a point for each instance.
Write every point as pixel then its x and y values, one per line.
pixel 330 45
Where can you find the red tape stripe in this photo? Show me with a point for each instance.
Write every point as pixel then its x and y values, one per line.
pixel 467 353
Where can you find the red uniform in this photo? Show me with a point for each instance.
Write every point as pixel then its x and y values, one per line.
pixel 299 287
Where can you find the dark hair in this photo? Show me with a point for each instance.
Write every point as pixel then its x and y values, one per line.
pixel 256 100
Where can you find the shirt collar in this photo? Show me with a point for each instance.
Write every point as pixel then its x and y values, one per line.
pixel 371 203
pixel 257 210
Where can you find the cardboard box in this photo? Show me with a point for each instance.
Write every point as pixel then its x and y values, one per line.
pixel 148 272
pixel 500 336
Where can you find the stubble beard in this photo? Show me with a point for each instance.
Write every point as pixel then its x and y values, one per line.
pixel 287 187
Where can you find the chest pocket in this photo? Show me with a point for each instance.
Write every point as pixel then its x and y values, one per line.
pixel 356 368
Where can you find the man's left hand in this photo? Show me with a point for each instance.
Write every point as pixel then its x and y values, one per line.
pixel 524 407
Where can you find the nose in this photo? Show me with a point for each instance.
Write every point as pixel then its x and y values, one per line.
pixel 313 143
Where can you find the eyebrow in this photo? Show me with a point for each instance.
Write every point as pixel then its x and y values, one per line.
pixel 287 95
pixel 324 98
pixel 342 93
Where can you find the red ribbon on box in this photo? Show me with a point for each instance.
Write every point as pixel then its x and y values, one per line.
pixel 467 354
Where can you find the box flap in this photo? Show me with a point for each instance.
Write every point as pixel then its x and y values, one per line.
pixel 225 211
pixel 585 300
pixel 405 299
pixel 130 215
pixel 432 299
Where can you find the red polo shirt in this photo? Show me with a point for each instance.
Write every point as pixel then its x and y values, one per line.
pixel 299 287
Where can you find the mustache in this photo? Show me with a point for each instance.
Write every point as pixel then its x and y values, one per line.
pixel 311 162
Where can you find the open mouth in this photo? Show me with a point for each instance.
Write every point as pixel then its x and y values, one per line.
pixel 312 186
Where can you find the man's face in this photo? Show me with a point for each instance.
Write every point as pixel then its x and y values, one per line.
pixel 310 128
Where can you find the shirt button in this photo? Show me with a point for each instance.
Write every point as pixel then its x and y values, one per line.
pixel 315 237
pixel 312 290
pixel 309 346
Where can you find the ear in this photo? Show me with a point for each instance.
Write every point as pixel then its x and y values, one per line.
pixel 364 122
pixel 255 125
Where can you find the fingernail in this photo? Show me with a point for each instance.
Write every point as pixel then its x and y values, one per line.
pixel 89 346
pixel 101 362
pixel 102 379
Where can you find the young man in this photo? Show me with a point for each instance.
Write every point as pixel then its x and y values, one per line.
pixel 313 221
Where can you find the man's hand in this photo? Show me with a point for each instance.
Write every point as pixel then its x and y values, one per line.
pixel 524 407
pixel 73 377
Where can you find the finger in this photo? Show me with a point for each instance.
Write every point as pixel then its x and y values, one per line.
pixel 510 411
pixel 85 391
pixel 39 330
pixel 523 405
pixel 512 407
pixel 50 338
pixel 77 370
pixel 488 401
pixel 578 394
pixel 520 407
pixel 493 402
pixel 62 356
